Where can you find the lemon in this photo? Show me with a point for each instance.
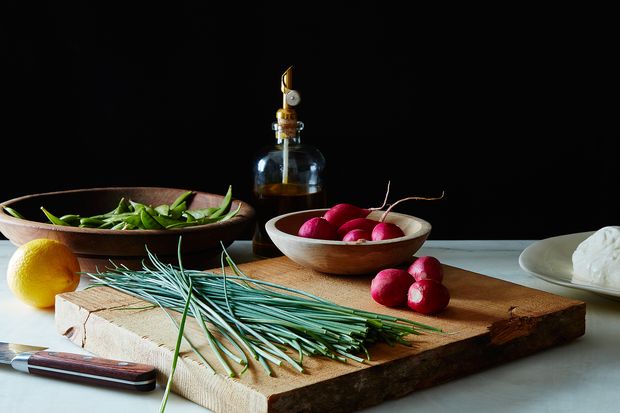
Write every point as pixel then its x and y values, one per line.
pixel 40 269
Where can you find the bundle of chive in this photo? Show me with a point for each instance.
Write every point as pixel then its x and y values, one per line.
pixel 258 319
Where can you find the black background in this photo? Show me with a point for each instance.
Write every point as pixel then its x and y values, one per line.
pixel 508 110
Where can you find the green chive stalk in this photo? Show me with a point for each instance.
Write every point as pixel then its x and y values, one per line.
pixel 256 319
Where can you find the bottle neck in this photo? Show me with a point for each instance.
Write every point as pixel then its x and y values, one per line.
pixel 287 131
pixel 291 141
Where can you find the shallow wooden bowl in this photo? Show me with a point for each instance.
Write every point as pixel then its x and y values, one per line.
pixel 339 257
pixel 95 247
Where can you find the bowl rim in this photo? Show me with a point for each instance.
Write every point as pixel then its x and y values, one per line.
pixel 9 219
pixel 425 229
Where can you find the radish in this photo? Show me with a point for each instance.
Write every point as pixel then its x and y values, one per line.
pixel 318 228
pixel 357 223
pixel 341 213
pixel 357 235
pixel 389 287
pixel 426 268
pixel 428 296
pixel 386 230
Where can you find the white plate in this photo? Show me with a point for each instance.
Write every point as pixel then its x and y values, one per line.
pixel 551 260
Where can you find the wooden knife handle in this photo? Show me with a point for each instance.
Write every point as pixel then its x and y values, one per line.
pixel 93 370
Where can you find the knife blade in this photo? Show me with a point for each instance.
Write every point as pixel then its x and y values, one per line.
pixel 78 367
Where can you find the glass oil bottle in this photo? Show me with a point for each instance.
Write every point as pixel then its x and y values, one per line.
pixel 288 176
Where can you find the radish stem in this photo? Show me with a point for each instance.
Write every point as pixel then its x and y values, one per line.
pixel 411 198
pixel 387 193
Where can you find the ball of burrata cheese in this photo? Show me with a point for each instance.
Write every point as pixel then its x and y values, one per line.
pixel 596 260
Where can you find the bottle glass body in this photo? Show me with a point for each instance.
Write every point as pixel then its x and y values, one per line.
pixel 288 176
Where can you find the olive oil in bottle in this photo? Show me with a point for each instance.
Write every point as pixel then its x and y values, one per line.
pixel 288 176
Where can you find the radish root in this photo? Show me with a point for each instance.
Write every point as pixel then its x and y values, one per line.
pixel 387 194
pixel 411 198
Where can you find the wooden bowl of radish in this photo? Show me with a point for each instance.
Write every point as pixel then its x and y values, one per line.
pixel 321 246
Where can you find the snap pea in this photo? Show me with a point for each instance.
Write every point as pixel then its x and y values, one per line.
pixel 132 221
pixel 180 199
pixel 129 215
pixel 210 220
pixel 231 214
pixel 123 206
pixel 163 210
pixel 53 219
pixel 106 225
pixel 91 222
pixel 136 206
pixel 202 213
pixel 225 203
pixel 13 212
pixel 71 219
pixel 120 225
pixel 119 217
pixel 166 222
pixel 189 217
pixel 177 211
pixel 148 221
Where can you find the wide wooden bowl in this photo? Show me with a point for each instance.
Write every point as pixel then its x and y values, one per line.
pixel 95 247
pixel 339 257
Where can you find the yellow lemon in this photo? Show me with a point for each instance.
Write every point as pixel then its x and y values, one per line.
pixel 40 269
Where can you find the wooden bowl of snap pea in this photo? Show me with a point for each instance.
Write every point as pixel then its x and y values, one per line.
pixel 95 247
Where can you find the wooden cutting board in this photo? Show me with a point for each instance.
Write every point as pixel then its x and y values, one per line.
pixel 487 322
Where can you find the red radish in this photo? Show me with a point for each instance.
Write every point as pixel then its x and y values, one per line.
pixel 317 228
pixel 357 223
pixel 341 213
pixel 428 297
pixel 426 268
pixel 386 230
pixel 389 287
pixel 356 235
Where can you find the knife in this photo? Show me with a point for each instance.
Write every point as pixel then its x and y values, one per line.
pixel 78 367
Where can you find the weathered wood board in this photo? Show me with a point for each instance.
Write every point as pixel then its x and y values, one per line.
pixel 488 322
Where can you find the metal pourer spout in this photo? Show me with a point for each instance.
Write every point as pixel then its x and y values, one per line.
pixel 287 116
pixel 286 126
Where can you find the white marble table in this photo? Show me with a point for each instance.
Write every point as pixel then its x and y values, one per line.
pixel 583 376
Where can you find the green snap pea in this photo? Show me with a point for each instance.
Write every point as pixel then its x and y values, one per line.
pixel 225 203
pixel 136 206
pixel 189 217
pixel 163 210
pixel 132 220
pixel 13 212
pixel 91 222
pixel 178 211
pixel 148 221
pixel 53 219
pixel 202 213
pixel 120 225
pixel 122 207
pixel 166 222
pixel 181 198
pixel 71 219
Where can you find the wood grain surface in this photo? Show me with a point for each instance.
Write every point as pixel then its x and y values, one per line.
pixel 93 370
pixel 487 322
